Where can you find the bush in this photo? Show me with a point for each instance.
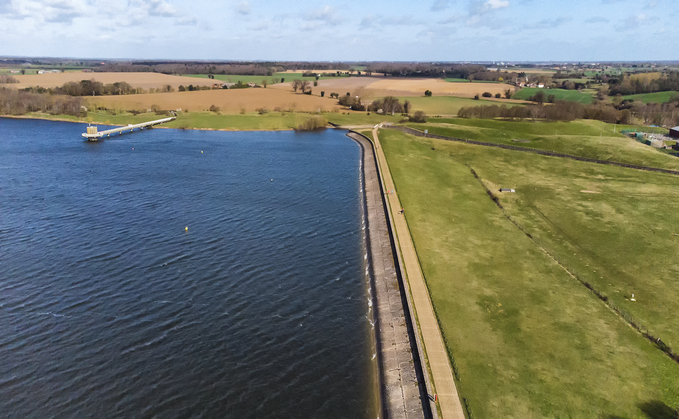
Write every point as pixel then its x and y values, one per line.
pixel 419 116
pixel 498 96
pixel 476 97
pixel 312 123
pixel 308 92
pixel 508 94
pixel 262 111
pixel 214 108
pixel 322 94
pixel 315 83
pixel 334 95
pixel 427 93
pixel 487 94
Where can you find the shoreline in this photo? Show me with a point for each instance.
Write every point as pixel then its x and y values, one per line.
pixel 401 380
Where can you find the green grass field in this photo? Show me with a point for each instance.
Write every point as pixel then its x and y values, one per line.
pixel 560 94
pixel 447 105
pixel 584 138
pixel 528 340
pixel 658 97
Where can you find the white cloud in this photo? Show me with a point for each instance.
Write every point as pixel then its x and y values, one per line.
pixel 497 4
pixel 326 14
pixel 244 8
pixel 440 5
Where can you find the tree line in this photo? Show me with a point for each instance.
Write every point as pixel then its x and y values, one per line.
pixel 628 85
pixel 17 102
pixel 666 114
pixel 95 88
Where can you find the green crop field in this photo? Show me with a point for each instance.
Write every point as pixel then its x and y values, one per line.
pixel 447 105
pixel 658 97
pixel 560 94
pixel 529 340
pixel 584 138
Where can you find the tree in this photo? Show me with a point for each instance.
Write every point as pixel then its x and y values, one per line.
pixel 282 80
pixel 322 93
pixel 406 106
pixel 508 94
pixel 487 94
pixel 427 93
pixel 264 83
pixel 498 96
pixel 419 116
pixel 23 71
pixel 315 83
pixel 296 84
pixel 304 85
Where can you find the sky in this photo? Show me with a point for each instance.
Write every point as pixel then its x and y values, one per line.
pixel 350 30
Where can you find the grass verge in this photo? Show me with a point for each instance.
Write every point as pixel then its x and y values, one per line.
pixel 528 339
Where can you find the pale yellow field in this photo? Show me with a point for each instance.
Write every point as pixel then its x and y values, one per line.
pixel 143 80
pixel 229 101
pixel 417 87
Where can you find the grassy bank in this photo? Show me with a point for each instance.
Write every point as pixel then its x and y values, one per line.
pixel 528 339
pixel 272 121
pixel 585 138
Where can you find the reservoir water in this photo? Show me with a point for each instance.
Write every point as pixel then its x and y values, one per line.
pixel 110 307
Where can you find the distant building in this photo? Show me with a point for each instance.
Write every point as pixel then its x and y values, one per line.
pixel 674 132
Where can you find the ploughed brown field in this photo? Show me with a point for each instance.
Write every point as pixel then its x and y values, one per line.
pixel 229 101
pixel 143 80
pixel 372 87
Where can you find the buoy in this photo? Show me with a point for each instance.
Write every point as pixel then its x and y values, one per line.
pixel 201 151
pixel 186 229
pixel 272 180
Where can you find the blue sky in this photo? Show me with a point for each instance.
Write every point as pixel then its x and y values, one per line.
pixel 396 30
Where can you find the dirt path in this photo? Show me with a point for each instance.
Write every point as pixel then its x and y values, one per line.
pixel 434 347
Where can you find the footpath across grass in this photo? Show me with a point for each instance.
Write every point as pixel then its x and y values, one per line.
pixel 527 339
pixel 584 138
pixel 559 94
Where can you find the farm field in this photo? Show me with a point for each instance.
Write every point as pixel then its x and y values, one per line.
pixel 449 105
pixel 234 78
pixel 228 100
pixel 528 339
pixel 560 94
pixel 454 80
pixel 416 87
pixel 658 97
pixel 584 138
pixel 143 80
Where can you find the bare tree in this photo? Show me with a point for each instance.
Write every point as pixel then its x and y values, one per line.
pixel 296 84
pixel 304 85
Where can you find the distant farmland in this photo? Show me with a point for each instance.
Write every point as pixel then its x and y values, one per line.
pixel 560 94
pixel 658 97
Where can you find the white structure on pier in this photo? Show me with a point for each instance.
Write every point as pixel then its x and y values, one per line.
pixel 93 135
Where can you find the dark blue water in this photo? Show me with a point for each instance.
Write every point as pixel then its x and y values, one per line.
pixel 110 308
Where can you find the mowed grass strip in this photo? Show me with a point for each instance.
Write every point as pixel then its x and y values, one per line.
pixel 528 340
pixel 559 94
pixel 584 138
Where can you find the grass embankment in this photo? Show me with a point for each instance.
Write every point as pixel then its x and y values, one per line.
pixel 584 138
pixel 528 339
pixel 272 121
pixel 559 94
pixel 658 97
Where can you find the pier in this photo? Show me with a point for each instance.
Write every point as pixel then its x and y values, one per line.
pixel 93 134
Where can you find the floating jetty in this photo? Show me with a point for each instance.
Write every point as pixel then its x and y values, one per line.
pixel 93 134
